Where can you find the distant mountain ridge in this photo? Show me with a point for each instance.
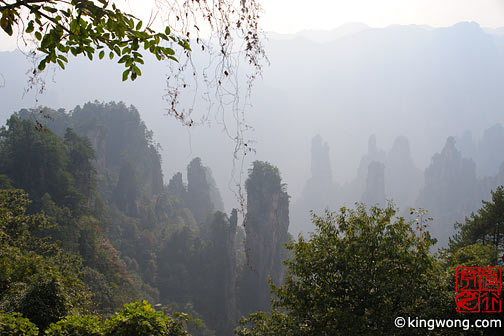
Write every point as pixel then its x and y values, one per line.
pixel 323 36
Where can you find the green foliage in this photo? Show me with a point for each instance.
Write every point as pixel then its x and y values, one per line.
pixel 22 143
pixel 5 182
pixel 51 163
pixel 353 276
pixel 73 208
pixel 477 244
pixel 198 197
pixel 127 191
pixel 484 227
pixel 115 234
pixel 76 325
pixel 130 238
pixel 475 255
pixel 134 319
pixel 175 275
pixel 266 226
pixel 214 273
pixel 61 181
pixel 103 297
pixel 141 319
pixel 121 138
pixel 196 269
pixel 16 227
pixel 15 324
pixel 80 157
pixel 37 278
pixel 275 324
pixel 87 27
pixel 176 187
pixel 45 302
pixel 268 175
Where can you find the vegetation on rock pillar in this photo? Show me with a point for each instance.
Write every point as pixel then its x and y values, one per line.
pixel 266 226
pixel 203 197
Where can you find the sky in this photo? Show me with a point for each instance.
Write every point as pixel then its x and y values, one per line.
pixel 291 16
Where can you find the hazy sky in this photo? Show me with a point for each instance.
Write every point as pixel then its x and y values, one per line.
pixel 290 16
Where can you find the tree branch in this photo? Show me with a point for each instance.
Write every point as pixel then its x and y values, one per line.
pixel 51 19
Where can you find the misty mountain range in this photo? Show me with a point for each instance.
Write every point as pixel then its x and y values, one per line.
pixel 411 86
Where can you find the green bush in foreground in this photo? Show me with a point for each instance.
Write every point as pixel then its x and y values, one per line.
pixel 136 318
pixel 141 319
pixel 76 325
pixel 360 269
pixel 16 325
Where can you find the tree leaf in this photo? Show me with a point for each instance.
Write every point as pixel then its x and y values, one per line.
pixel 125 74
pixel 50 9
pixel 137 70
pixel 30 27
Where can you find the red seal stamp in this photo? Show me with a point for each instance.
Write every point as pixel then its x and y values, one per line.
pixel 478 289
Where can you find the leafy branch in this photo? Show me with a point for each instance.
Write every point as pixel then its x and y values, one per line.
pixel 85 27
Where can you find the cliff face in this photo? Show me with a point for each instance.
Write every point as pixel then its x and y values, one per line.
pixel 374 154
pixel 119 137
pixel 319 192
pixel 203 197
pixel 488 155
pixel 403 179
pixel 220 305
pixel 320 162
pixel 375 185
pixel 353 191
pixel 121 142
pixel 266 226
pixel 451 190
pixel 230 272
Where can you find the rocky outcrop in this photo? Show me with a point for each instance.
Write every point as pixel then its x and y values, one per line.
pixel 374 194
pixel 451 190
pixel 403 179
pixel 218 274
pixel 320 162
pixel 176 187
pixel 266 226
pixel 352 192
pixel 319 192
pixel 489 155
pixel 203 197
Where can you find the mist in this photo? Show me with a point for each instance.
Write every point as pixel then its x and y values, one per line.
pixel 362 171
pixel 419 83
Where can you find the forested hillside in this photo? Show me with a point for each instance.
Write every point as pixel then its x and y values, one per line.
pixel 90 233
pixel 86 216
